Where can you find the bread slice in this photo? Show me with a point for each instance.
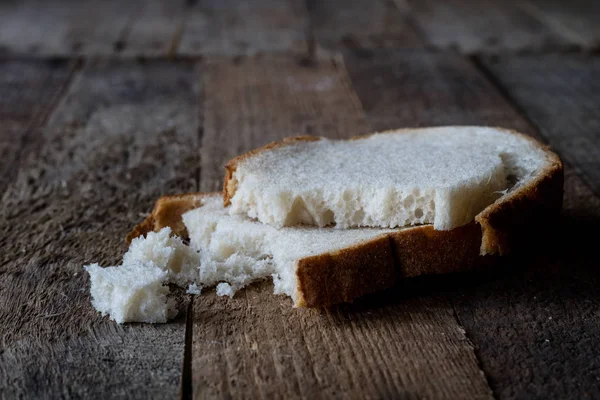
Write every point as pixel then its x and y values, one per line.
pixel 445 176
pixel 315 266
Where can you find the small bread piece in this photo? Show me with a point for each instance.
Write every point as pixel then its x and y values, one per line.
pixel 319 266
pixel 445 176
pixel 135 291
pixel 130 292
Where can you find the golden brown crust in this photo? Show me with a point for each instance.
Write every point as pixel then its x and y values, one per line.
pixel 344 275
pixel 376 264
pixel 507 225
pixel 517 218
pixel 426 251
pixel 167 212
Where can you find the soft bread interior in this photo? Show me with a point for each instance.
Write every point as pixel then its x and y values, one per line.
pixel 225 251
pixel 238 250
pixel 442 176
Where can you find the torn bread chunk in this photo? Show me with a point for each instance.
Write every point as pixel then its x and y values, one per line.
pixel 135 291
pixel 443 176
pixel 130 293
pixel 236 250
pixel 167 252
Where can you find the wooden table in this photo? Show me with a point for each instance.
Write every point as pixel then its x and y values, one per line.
pixel 105 106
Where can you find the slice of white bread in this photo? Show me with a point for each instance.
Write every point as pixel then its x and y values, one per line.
pixel 445 176
pixel 315 266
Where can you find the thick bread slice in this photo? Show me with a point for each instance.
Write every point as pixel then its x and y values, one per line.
pixel 316 266
pixel 507 182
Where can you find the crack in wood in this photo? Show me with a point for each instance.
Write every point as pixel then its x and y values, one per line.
pixel 186 392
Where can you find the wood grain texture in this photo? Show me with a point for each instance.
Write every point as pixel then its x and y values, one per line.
pixel 62 28
pixel 551 305
pixel 574 20
pixel 29 91
pixel 560 94
pixel 124 134
pixel 256 344
pixel 232 27
pixel 362 24
pixel 533 321
pixel 406 88
pixel 481 26
pixel 155 29
pixel 537 328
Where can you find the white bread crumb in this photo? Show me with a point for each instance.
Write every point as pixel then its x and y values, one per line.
pixel 131 292
pixel 194 289
pixel 225 289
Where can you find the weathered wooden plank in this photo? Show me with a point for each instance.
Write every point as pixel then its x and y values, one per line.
pixel 363 24
pixel 155 30
pixel 265 99
pixel 239 27
pixel 544 320
pixel 560 94
pixel 481 26
pixel 506 313
pixel 406 88
pixel 29 91
pixel 575 20
pixel 256 344
pixel 124 134
pixel 536 328
pixel 62 28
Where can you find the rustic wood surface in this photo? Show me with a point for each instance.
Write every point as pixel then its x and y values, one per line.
pixel 358 23
pixel 99 163
pixel 575 20
pixel 239 27
pixel 104 106
pixel 63 28
pixel 486 25
pixel 29 93
pixel 155 28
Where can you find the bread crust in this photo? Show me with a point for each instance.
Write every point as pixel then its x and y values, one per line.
pixel 366 267
pixel 377 264
pixel 167 211
pixel 507 225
